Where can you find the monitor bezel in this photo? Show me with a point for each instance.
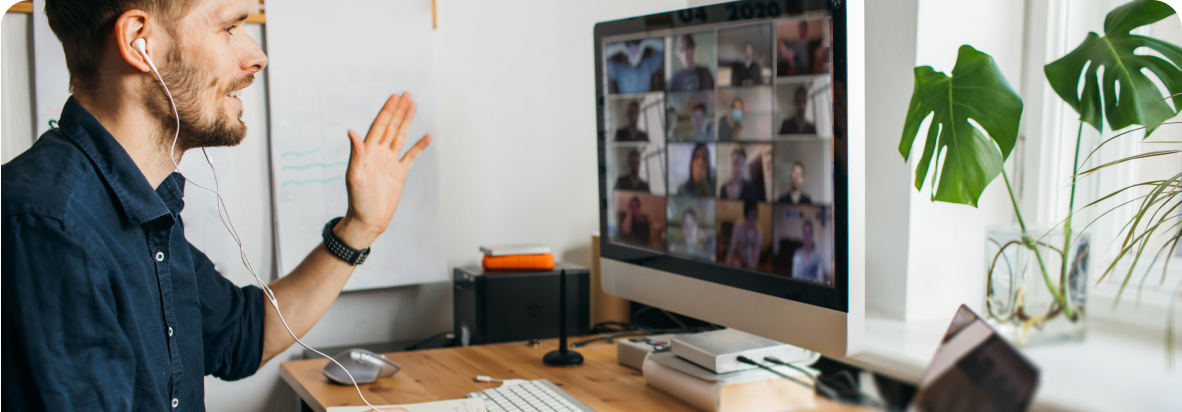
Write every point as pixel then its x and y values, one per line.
pixel 835 297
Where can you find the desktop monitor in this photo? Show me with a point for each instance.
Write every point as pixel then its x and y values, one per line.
pixel 731 167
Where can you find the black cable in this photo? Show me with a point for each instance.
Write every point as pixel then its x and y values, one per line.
pixel 827 388
pixel 749 361
pixel 449 335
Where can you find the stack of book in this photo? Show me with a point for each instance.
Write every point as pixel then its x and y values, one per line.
pixel 517 257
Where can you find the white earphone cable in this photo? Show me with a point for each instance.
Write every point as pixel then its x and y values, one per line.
pixel 233 232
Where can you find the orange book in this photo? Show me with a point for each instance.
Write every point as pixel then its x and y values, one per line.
pixel 519 262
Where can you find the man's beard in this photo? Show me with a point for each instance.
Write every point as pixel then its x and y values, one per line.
pixel 186 84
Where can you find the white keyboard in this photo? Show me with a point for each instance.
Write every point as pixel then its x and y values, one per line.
pixel 538 395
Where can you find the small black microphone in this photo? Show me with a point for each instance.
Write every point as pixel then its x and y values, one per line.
pixel 563 356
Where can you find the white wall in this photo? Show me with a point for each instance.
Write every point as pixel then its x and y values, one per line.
pixel 890 57
pixel 946 246
pixel 16 86
pixel 517 124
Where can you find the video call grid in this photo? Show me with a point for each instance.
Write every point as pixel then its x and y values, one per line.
pixel 676 89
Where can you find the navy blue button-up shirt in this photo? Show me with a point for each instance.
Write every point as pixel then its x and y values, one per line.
pixel 106 306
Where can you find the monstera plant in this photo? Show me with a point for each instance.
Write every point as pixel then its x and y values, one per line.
pixel 975 117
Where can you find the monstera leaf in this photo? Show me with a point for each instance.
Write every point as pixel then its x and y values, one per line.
pixel 966 158
pixel 1123 71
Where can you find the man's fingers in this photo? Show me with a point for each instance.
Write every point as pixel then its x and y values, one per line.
pixel 396 119
pixel 414 151
pixel 378 128
pixel 400 136
pixel 357 144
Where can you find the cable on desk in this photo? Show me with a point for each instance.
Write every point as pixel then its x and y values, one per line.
pixel 823 386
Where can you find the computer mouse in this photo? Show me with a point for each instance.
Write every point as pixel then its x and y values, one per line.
pixel 365 366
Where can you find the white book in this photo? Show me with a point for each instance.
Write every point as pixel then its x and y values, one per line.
pixel 509 250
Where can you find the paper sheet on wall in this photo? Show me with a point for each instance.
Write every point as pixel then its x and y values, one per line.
pixel 457 405
pixel 322 85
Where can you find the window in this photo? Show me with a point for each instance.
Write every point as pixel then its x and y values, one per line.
pixel 1052 135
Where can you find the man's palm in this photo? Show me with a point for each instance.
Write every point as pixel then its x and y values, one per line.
pixel 376 175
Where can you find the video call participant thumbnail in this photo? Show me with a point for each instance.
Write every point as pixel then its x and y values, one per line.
pixel 800 48
pixel 691 227
pixel 796 194
pixel 636 66
pixel 632 132
pixel 693 116
pixel 692 169
pixel 632 180
pixel 735 184
pixel 747 229
pixel 745 53
pixel 797 124
pixel 640 219
pixel 691 76
pixel 804 243
pixel 731 126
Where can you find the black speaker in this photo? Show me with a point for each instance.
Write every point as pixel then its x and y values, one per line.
pixel 493 306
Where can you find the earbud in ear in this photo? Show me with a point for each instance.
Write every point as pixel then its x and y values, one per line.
pixel 139 44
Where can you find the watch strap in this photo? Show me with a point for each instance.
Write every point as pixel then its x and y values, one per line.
pixel 338 247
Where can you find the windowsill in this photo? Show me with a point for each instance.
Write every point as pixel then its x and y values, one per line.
pixel 1115 368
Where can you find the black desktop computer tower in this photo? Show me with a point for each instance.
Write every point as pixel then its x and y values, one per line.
pixel 493 306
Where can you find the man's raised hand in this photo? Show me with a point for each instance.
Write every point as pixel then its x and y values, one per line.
pixel 376 175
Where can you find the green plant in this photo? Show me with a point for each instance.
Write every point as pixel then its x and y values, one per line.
pixel 968 160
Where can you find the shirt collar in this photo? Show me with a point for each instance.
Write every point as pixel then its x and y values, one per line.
pixel 139 202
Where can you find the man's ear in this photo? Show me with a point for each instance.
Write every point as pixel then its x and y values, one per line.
pixel 132 25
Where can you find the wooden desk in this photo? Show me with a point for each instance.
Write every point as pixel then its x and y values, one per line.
pixel 449 373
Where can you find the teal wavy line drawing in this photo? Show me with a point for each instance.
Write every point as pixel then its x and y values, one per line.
pixel 304 182
pixel 299 154
pixel 317 164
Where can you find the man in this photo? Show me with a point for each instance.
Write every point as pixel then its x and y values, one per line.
pixel 794 55
pixel 806 263
pixel 748 72
pixel 731 126
pixel 797 124
pixel 796 195
pixel 634 228
pixel 635 75
pixel 632 180
pixel 691 76
pixel 631 132
pixel 703 126
pixel 746 239
pixel 106 306
pixel 738 188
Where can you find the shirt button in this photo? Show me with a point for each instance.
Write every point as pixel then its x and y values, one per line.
pixel 175 402
pixel 170 332
pixel 159 256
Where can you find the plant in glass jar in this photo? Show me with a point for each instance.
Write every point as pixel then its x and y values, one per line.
pixel 1037 277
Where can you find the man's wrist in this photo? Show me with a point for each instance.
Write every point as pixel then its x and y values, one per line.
pixel 354 233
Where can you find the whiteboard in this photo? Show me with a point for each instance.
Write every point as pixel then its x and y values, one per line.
pixel 325 78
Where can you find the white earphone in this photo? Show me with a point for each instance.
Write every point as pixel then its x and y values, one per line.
pixel 140 45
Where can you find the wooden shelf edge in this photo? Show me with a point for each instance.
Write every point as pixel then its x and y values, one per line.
pixel 27 7
pixel 21 7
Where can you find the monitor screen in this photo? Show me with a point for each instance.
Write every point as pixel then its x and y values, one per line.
pixel 719 143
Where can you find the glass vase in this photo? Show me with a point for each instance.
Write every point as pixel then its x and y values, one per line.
pixel 1029 277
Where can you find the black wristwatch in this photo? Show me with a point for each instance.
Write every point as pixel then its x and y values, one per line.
pixel 340 249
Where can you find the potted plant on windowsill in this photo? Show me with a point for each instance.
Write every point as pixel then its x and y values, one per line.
pixel 1037 276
